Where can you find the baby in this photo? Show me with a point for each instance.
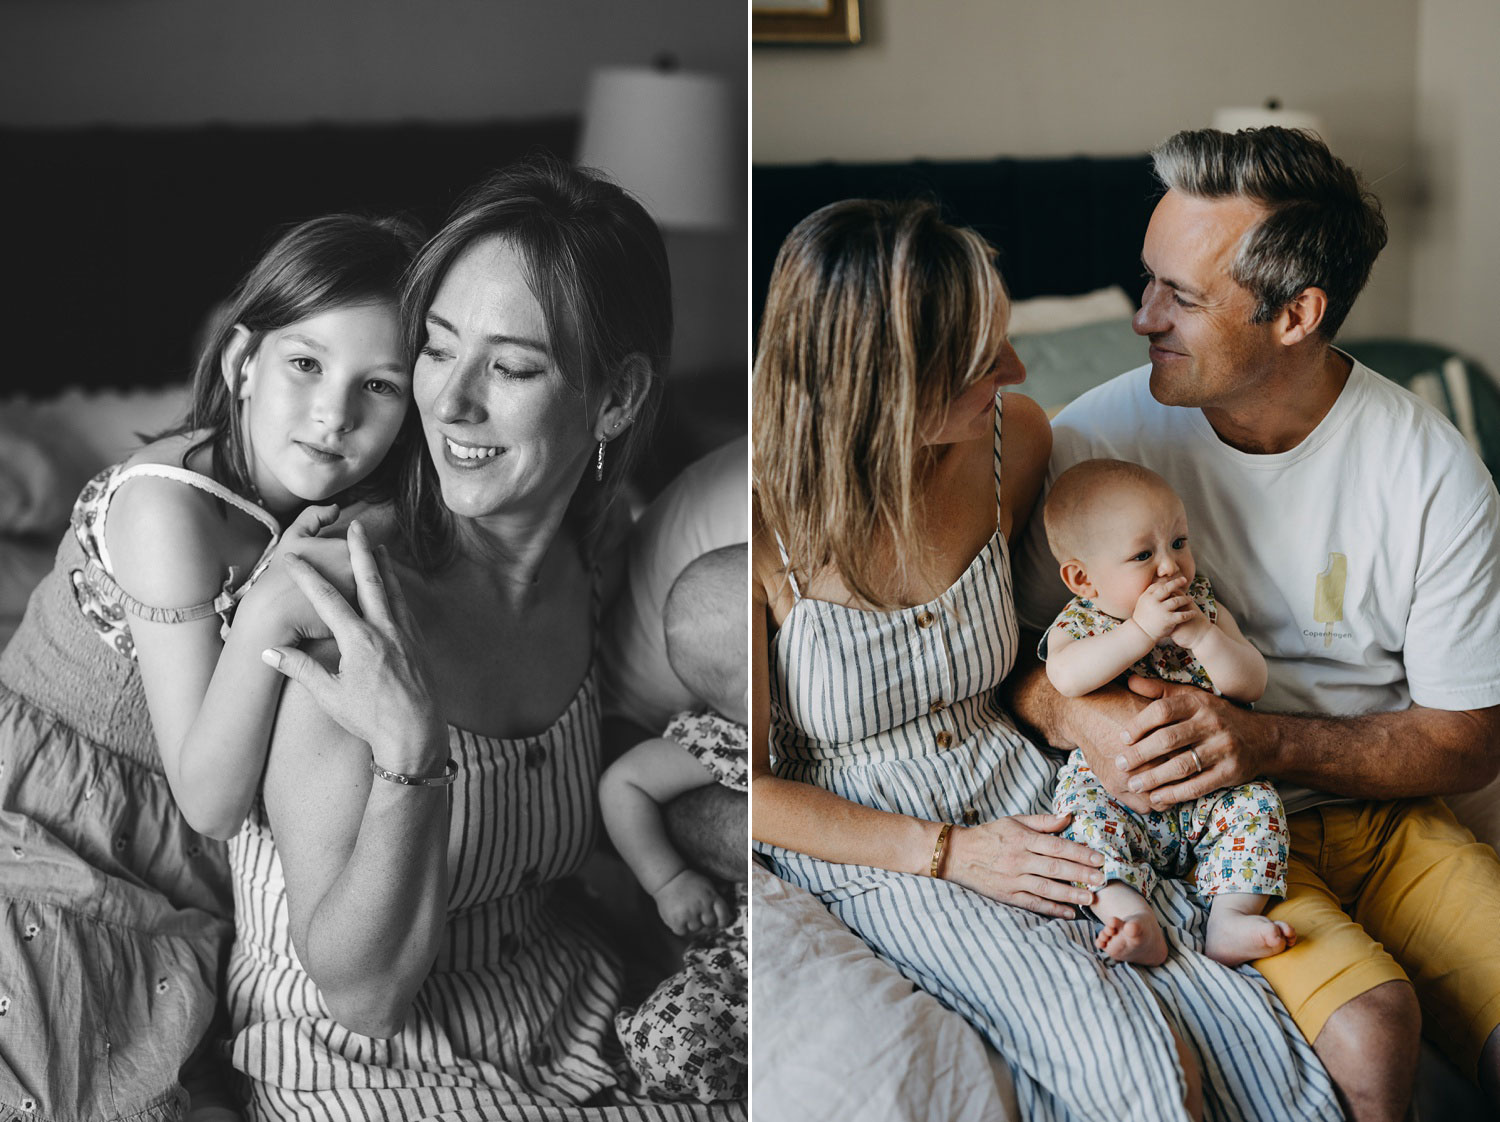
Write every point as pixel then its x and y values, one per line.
pixel 688 1040
pixel 1119 533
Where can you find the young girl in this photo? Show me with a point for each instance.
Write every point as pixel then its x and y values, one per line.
pixel 1119 533
pixel 688 1039
pixel 122 687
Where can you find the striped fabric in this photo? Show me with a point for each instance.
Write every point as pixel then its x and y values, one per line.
pixel 516 1019
pixel 897 710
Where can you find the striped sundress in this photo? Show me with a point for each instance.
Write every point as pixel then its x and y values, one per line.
pixel 897 710
pixel 516 1018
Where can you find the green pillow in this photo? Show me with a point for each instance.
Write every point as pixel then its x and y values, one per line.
pixel 1060 365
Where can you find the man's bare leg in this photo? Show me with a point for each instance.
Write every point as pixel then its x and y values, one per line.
pixel 1369 1047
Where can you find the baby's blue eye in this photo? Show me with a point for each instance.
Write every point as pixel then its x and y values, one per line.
pixel 1179 543
pixel 1143 555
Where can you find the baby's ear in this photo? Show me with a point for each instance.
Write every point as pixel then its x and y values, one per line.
pixel 1076 578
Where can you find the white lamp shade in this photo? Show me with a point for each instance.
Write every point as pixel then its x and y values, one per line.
pixel 1233 119
pixel 665 136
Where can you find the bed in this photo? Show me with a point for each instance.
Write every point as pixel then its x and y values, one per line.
pixel 838 1033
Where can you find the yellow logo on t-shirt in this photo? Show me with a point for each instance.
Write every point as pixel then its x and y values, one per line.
pixel 1328 595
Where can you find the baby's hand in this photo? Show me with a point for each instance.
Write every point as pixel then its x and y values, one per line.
pixel 690 904
pixel 1164 607
pixel 1195 630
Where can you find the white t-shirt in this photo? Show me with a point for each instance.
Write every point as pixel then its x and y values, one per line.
pixel 1363 563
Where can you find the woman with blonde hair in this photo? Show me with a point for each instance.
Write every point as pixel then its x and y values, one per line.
pixel 891 477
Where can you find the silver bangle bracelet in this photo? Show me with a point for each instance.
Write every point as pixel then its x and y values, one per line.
pixel 450 773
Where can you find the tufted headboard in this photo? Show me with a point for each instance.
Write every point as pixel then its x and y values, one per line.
pixel 1062 226
pixel 120 240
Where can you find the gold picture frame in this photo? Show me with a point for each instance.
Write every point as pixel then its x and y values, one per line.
pixel 805 21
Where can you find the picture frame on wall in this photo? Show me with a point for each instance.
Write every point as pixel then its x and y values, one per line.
pixel 833 22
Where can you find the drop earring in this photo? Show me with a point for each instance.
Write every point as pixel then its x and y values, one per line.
pixel 599 464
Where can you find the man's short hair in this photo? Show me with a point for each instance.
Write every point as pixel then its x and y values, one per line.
pixel 1324 229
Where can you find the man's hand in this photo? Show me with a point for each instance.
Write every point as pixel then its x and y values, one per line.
pixel 1185 727
pixel 1164 607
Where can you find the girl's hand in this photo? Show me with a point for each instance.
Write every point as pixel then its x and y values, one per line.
pixel 690 904
pixel 381 691
pixel 1019 861
pixel 1164 607
pixel 276 596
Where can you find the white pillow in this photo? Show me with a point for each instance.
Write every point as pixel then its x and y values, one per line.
pixel 704 508
pixel 839 1034
pixel 1053 313
pixel 49 449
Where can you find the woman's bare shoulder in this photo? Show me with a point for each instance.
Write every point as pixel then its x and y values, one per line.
pixel 1025 445
pixel 770 584
pixel 1025 431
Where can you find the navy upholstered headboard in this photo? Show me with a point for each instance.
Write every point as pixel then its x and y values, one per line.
pixel 1062 226
pixel 119 240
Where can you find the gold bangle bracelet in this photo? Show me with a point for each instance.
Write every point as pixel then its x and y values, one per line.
pixel 940 849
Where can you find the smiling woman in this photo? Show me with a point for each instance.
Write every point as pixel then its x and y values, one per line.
pixel 423 807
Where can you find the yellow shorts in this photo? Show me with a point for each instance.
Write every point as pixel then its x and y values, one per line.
pixel 1379 892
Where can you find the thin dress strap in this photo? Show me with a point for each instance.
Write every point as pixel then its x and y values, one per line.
pixel 999 502
pixel 786 566
pixel 102 570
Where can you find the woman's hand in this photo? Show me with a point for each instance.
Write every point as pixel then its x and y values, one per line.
pixel 381 691
pixel 1019 861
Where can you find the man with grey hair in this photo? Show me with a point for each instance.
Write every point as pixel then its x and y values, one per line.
pixel 1358 539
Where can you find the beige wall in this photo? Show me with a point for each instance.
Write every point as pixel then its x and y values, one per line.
pixel 973 78
pixel 1456 273
pixel 187 62
pixel 65 62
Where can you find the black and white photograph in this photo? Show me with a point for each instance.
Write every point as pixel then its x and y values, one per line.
pixel 373 521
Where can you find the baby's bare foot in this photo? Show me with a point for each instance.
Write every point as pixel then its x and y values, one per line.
pixel 1134 938
pixel 1234 938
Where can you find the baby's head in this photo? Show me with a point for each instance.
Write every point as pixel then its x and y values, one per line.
pixel 1116 528
pixel 704 619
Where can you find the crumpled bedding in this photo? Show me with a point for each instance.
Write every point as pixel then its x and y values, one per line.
pixel 840 1034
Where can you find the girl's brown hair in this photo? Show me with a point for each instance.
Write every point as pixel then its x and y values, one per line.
pixel 336 261
pixel 879 314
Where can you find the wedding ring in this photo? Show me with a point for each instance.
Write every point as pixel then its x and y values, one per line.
pixel 1194 753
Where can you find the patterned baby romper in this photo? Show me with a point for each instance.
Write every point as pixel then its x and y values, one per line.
pixel 1234 840
pixel 897 710
pixel 516 1019
pixel 690 1038
pixel 116 913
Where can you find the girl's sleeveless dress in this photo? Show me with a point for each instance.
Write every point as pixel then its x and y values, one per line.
pixel 897 710
pixel 515 1020
pixel 115 912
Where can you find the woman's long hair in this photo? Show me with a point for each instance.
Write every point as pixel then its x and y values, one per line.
pixel 879 314
pixel 597 265
pixel 336 261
